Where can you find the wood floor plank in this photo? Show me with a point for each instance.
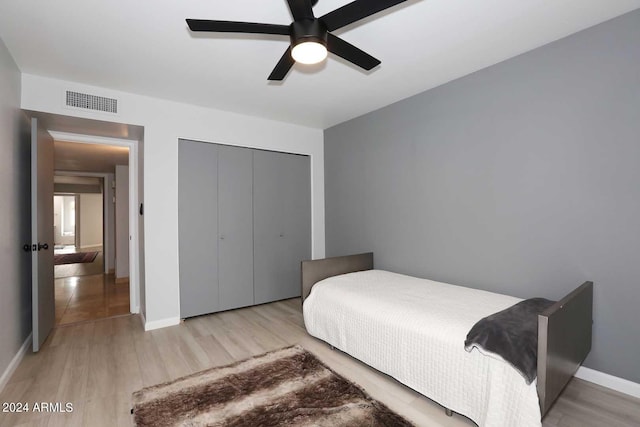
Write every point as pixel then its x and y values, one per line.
pixel 29 368
pixel 215 351
pixel 168 345
pixel 42 420
pixel 101 412
pixel 49 376
pixel 101 378
pixel 197 326
pixel 97 365
pixel 224 335
pixel 191 351
pixel 611 401
pixel 151 365
pixel 73 384
pixel 261 332
pixel 127 375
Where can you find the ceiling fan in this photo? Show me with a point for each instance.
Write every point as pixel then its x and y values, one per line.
pixel 310 37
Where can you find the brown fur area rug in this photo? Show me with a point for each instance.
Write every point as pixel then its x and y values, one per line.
pixel 74 258
pixel 287 387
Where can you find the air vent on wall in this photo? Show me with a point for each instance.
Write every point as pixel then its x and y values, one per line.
pixel 91 102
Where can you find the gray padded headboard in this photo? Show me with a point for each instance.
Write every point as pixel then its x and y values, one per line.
pixel 314 271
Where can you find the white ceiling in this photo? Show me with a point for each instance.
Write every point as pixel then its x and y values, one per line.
pixel 144 47
pixel 73 156
pixel 80 180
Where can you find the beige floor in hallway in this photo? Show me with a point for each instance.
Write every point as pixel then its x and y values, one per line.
pixel 83 292
pixel 80 269
pixel 97 365
pixel 83 298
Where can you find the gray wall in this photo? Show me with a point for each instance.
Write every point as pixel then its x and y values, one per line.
pixel 90 227
pixel 122 221
pixel 110 236
pixel 15 212
pixel 522 178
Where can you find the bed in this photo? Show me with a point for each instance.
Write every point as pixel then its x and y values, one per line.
pixel 414 330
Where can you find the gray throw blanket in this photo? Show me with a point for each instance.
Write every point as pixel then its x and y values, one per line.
pixel 512 334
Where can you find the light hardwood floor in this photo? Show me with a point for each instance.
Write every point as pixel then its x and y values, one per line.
pixel 83 298
pixel 97 365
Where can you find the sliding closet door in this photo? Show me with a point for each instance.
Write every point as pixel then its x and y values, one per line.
pixel 297 214
pixel 282 223
pixel 235 226
pixel 198 227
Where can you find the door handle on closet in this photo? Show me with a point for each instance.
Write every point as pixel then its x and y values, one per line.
pixel 44 246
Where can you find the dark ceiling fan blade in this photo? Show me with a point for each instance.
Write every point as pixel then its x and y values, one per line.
pixel 355 11
pixel 282 67
pixel 351 53
pixel 236 27
pixel 300 9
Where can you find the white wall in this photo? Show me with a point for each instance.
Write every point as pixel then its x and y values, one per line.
pixel 110 230
pixel 57 215
pixel 141 249
pixel 15 221
pixel 70 216
pixel 164 122
pixel 58 205
pixel 90 220
pixel 122 221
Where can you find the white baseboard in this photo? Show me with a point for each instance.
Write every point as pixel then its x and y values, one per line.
pixel 609 381
pixel 163 323
pixel 15 362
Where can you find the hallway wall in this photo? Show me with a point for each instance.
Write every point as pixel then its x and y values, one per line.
pixel 90 220
pixel 15 217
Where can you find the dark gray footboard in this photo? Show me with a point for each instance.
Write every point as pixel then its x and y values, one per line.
pixel 316 270
pixel 564 340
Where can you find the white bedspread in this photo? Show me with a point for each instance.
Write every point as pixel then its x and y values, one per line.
pixel 414 330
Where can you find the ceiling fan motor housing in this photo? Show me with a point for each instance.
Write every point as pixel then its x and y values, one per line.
pixel 308 30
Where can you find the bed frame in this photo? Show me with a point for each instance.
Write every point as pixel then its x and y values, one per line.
pixel 564 329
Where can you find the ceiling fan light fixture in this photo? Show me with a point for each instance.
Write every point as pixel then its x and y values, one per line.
pixel 309 52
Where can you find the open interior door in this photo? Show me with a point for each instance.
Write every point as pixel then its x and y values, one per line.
pixel 42 234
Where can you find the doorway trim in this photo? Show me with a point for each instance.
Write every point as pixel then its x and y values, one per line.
pixel 134 262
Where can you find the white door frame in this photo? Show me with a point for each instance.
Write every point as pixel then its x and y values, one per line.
pixel 105 209
pixel 134 265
